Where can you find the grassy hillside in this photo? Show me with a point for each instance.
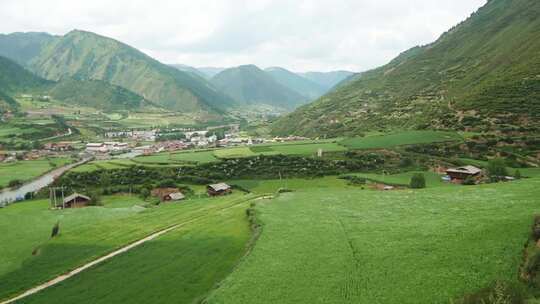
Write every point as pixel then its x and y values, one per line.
pixel 14 78
pixel 22 47
pixel 7 103
pixel 297 83
pixel 482 74
pixel 340 245
pixel 250 85
pixel 96 94
pixel 85 55
pixel 190 69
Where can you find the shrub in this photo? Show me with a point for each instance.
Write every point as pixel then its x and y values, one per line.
pixel 517 174
pixel 95 199
pixel 145 193
pixel 418 181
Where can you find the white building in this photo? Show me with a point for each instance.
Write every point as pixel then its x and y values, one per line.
pixel 96 148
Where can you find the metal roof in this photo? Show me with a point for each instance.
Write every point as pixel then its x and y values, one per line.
pixel 466 169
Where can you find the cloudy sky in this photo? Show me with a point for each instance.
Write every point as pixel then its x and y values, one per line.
pixel 300 35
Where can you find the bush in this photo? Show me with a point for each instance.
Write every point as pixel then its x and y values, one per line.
pixel 418 181
pixel 145 193
pixel 95 199
pixel 517 174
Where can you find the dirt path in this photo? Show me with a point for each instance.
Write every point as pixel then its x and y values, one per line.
pixel 113 254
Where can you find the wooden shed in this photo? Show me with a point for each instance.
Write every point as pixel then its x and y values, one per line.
pixel 168 194
pixel 218 189
pixel 76 200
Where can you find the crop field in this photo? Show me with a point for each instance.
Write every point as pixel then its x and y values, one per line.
pixel 337 245
pixel 179 267
pixel 194 156
pixel 85 234
pixel 28 169
pixel 399 139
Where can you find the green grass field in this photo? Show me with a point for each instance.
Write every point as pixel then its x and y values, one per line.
pixel 85 234
pixel 399 139
pixel 338 245
pixel 28 169
pixel 179 267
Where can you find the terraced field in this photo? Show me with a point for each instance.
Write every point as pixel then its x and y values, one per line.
pixel 342 245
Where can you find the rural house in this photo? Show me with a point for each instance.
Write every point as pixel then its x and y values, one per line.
pixel 218 189
pixel 462 173
pixel 168 194
pixel 76 200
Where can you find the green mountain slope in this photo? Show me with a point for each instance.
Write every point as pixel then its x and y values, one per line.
pixel 297 83
pixel 15 79
pixel 250 85
pixel 327 80
pixel 482 74
pixel 7 103
pixel 23 47
pixel 96 94
pixel 84 55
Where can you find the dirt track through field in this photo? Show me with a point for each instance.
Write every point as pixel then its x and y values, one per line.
pixel 109 256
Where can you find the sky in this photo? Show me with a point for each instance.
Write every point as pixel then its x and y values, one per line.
pixel 301 35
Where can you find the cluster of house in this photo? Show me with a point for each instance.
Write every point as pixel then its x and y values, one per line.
pixel 107 147
pixel 77 200
pixel 144 135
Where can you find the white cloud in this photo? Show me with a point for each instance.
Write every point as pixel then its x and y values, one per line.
pixel 300 35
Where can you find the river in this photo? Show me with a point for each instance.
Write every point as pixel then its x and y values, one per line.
pixel 9 196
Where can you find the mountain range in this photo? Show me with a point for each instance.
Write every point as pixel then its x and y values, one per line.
pixel 86 61
pixel 483 74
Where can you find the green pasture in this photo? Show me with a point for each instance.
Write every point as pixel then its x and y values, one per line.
pixel 338 245
pixel 26 170
pixel 400 139
pixel 180 267
pixel 33 257
pixel 205 156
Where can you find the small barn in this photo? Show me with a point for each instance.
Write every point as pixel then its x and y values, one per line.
pixel 462 173
pixel 218 189
pixel 76 200
pixel 168 194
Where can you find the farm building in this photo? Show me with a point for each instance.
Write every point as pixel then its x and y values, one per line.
pixel 76 200
pixel 461 173
pixel 168 194
pixel 218 189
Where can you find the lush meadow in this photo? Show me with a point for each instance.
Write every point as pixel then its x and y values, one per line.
pixel 336 245
pixel 400 139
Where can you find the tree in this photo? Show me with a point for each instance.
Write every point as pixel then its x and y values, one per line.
pixel 418 181
pixel 15 183
pixel 496 170
pixel 145 193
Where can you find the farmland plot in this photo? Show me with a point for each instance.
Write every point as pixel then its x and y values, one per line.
pixel 363 246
